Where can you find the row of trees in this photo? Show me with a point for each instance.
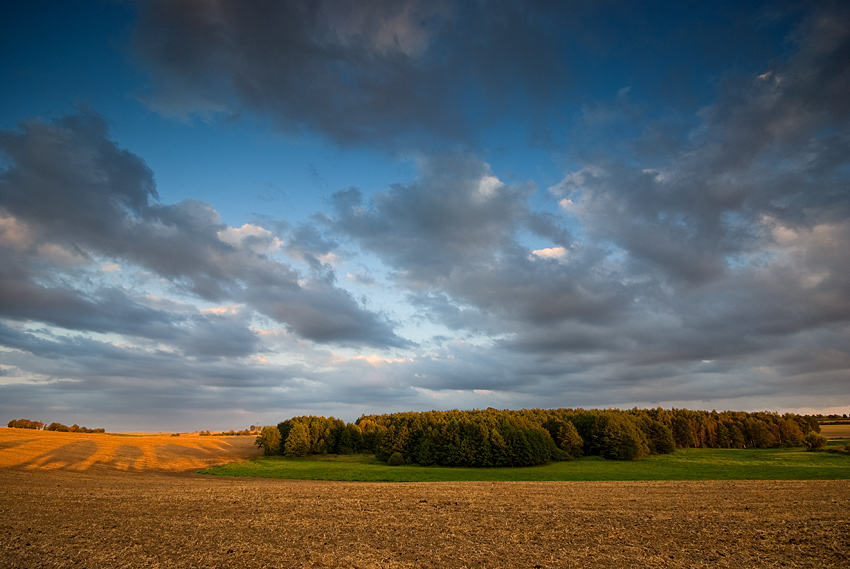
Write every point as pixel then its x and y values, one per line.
pixel 231 433
pixel 38 425
pixel 494 437
pixel 25 424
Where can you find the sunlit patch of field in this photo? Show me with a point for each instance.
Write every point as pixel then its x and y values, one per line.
pixel 51 450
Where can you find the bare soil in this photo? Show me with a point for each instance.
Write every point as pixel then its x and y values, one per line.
pixel 55 514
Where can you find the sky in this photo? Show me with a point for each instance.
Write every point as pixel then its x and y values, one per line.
pixel 217 214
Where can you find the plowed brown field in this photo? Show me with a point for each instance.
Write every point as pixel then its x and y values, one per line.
pixel 54 513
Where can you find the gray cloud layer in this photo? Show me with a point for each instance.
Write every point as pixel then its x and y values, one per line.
pixel 71 197
pixel 731 247
pixel 400 74
pixel 699 256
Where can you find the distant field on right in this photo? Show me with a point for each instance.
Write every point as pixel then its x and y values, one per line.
pixel 836 431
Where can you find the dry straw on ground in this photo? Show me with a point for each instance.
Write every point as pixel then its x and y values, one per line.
pixel 51 450
pixel 55 514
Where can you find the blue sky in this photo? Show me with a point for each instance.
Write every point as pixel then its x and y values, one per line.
pixel 216 214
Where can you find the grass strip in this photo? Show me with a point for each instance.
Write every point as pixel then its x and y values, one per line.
pixel 684 464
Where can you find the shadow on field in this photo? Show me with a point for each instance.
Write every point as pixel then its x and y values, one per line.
pixel 82 451
pixel 127 457
pixel 71 455
pixel 12 444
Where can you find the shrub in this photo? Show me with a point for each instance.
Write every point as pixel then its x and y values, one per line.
pixel 395 459
pixel 815 441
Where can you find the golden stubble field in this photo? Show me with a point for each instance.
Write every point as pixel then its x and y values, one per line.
pixel 51 450
pixel 64 508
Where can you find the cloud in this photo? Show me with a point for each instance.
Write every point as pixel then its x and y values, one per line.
pixel 730 249
pixel 457 214
pixel 70 198
pixel 383 73
pixel 452 238
pixel 693 253
pixel 772 146
pixel 550 252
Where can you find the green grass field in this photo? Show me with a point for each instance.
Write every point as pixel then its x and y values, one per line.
pixel 685 464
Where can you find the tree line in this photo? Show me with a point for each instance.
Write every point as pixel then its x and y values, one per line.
pixel 231 433
pixel 492 437
pixel 38 425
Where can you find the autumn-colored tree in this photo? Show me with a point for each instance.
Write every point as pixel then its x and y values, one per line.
pixel 25 424
pixel 569 440
pixel 790 433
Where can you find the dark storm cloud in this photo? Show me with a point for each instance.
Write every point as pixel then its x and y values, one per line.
pixel 371 72
pixel 70 197
pixel 400 74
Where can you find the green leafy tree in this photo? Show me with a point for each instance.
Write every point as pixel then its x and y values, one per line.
pixel 425 452
pixel 661 440
pixel 759 434
pixel 623 440
pixel 298 441
pixel 395 439
pixel 790 433
pixel 683 433
pixel 269 440
pixel 569 440
pixel 499 452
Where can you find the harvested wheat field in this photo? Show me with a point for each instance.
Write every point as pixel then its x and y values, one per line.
pixel 836 431
pixel 60 515
pixel 51 450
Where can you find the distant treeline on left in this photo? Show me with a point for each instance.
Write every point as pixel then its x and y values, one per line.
pixel 38 425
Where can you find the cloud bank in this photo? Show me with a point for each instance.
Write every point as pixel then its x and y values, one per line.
pixel 693 257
